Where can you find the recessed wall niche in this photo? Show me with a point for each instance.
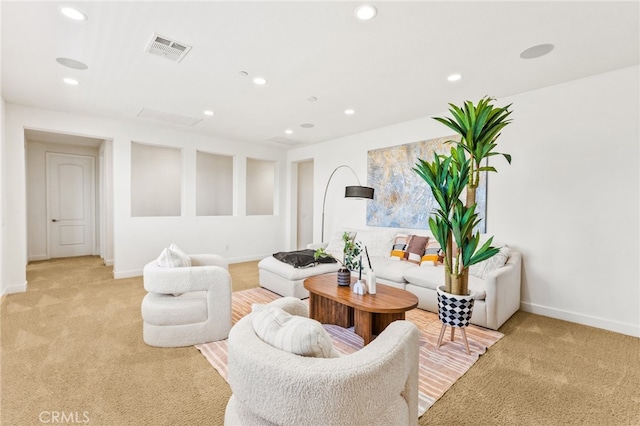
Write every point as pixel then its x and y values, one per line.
pixel 261 176
pixel 156 180
pixel 214 184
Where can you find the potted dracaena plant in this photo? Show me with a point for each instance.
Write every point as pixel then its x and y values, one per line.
pixel 454 221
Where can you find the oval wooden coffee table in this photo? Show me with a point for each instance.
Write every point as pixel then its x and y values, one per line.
pixel 369 314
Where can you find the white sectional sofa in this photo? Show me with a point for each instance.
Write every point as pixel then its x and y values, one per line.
pixel 495 283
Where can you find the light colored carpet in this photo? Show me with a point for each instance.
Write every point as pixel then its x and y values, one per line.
pixel 439 367
pixel 73 342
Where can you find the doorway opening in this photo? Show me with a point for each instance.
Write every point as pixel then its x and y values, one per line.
pixel 69 196
pixel 304 203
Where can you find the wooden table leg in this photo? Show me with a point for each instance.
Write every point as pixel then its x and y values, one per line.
pixel 312 306
pixel 363 325
pixel 327 311
pixel 368 325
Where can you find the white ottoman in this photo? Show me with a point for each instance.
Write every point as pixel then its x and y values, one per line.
pixel 285 280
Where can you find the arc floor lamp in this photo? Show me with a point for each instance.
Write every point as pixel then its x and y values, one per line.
pixel 358 192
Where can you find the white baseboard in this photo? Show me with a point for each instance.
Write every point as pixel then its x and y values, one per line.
pixel 107 262
pixel 16 288
pixel 127 274
pixel 590 320
pixel 38 257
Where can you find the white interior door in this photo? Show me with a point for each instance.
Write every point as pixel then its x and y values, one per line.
pixel 71 204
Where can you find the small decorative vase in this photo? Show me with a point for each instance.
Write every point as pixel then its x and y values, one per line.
pixel 454 310
pixel 371 281
pixel 344 276
pixel 359 288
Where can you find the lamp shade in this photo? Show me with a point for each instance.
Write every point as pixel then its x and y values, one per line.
pixel 358 192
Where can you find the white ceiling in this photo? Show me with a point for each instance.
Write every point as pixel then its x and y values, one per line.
pixel 390 69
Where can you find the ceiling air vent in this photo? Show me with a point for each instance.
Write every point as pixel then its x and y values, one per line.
pixel 284 142
pixel 167 48
pixel 168 117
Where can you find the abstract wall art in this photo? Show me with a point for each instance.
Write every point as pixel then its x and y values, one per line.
pixel 402 199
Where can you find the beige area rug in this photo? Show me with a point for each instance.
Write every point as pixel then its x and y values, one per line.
pixel 439 367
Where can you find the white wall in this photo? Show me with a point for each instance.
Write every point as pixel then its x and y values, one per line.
pixel 138 240
pixel 105 201
pixel 156 180
pixel 569 202
pixel 304 222
pixel 37 192
pixel 214 184
pixel 573 199
pixel 260 180
pixel 14 237
pixel 4 283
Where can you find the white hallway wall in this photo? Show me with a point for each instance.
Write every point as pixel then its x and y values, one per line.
pixel 569 201
pixel 3 275
pixel 140 239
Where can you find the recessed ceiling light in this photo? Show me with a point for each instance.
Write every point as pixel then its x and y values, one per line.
pixel 260 81
pixel 208 112
pixel 72 63
pixel 74 14
pixel 289 131
pixel 366 12
pixel 70 81
pixel 454 77
pixel 306 125
pixel 349 111
pixel 243 73
pixel 536 51
pixel 312 99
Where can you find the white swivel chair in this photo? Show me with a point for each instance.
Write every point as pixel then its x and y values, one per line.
pixel 187 305
pixel 377 385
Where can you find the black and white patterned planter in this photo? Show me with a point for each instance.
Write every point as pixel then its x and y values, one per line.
pixel 454 310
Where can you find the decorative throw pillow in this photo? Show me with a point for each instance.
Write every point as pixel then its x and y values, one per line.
pixel 415 248
pixel 172 259
pixel 185 257
pixel 376 241
pixel 298 335
pixel 433 252
pixel 335 247
pixel 399 246
pixel 481 269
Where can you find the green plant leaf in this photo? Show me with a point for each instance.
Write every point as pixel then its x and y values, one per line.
pixel 451 124
pixel 487 169
pixel 483 253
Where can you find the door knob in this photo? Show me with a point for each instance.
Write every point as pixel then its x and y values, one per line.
pixel 54 220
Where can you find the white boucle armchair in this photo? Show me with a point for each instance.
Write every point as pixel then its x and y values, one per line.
pixel 377 385
pixel 186 306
